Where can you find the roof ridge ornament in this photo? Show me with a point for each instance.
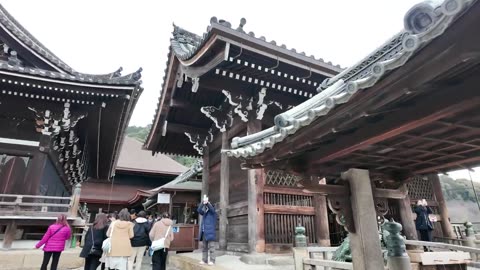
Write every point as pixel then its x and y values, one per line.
pixel 243 21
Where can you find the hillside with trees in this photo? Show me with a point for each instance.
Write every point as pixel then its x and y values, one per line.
pixel 461 199
pixel 141 133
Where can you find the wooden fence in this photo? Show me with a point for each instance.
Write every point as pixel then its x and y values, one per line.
pixel 317 258
pixel 31 205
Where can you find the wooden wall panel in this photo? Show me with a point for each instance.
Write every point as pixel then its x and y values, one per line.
pixel 237 230
pixel 238 182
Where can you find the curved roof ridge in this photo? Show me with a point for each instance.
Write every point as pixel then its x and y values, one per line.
pixel 192 42
pixel 64 71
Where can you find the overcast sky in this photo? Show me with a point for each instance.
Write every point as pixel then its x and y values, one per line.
pixel 95 36
pixel 99 36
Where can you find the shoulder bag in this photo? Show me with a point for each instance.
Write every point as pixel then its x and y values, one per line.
pixel 93 250
pixel 160 243
pixel 107 243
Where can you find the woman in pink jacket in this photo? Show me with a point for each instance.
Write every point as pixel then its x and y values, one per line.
pixel 54 242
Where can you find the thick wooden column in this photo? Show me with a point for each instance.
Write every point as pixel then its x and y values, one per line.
pixel 364 242
pixel 224 193
pixel 9 235
pixel 205 170
pixel 35 172
pixel 442 206
pixel 406 217
pixel 256 217
pixel 321 220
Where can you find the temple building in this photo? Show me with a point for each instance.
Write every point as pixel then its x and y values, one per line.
pixel 228 83
pixel 137 172
pixel 59 128
pixel 387 125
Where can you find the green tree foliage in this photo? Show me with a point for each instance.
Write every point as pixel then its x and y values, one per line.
pixel 459 189
pixel 141 133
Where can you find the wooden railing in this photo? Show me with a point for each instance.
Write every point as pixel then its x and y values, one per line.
pixel 318 258
pixel 474 252
pixel 32 205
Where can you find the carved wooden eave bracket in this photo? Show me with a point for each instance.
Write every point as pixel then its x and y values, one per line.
pixel 338 198
pixel 59 127
pixel 222 117
pixel 244 105
pixel 200 141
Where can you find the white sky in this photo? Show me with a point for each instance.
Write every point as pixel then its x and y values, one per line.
pixel 95 36
pixel 99 36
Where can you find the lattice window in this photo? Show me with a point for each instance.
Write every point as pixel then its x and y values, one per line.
pixel 281 178
pixel 287 199
pixel 279 228
pixel 420 188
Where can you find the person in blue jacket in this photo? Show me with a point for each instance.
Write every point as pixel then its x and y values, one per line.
pixel 207 230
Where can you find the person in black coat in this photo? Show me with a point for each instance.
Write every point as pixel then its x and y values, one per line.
pixel 423 223
pixel 140 240
pixel 92 248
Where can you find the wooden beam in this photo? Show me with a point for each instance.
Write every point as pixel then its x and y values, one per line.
pixel 447 165
pixel 406 217
pixel 397 123
pixel 184 105
pixel 442 206
pixel 440 140
pixel 286 190
pixel 180 129
pixel 256 182
pixel 367 254
pixel 9 236
pixel 289 209
pixel 321 220
pixel 224 193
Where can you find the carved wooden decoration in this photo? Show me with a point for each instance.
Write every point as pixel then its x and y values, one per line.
pixel 200 141
pixel 341 207
pixel 381 207
pixel 60 128
pixel 220 118
pixel 243 105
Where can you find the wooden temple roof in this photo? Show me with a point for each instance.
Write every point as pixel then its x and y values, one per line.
pixel 410 105
pixel 134 159
pixel 44 62
pixel 208 75
pixel 84 115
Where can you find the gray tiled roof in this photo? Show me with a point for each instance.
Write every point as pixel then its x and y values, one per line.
pixel 186 44
pixel 65 72
pixel 418 32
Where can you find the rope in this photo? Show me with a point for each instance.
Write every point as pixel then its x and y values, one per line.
pixel 110 196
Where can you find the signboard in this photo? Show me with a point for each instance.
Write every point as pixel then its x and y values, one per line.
pixel 163 198
pixel 175 229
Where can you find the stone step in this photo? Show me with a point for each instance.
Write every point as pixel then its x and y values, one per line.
pixel 187 263
pixel 280 260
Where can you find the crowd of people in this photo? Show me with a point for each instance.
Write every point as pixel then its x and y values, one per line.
pixel 130 237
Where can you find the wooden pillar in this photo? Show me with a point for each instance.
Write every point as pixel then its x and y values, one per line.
pixel 34 173
pixel 224 193
pixel 364 242
pixel 10 232
pixel 75 204
pixel 205 170
pixel 406 217
pixel 321 220
pixel 256 214
pixel 442 206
